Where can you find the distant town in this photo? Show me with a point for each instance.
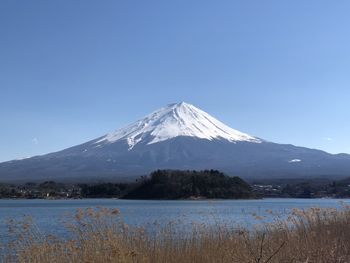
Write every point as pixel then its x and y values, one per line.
pixel 316 188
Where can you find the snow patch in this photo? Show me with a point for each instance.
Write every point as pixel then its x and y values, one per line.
pixel 295 161
pixel 23 158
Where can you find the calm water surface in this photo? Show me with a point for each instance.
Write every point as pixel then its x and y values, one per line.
pixel 49 214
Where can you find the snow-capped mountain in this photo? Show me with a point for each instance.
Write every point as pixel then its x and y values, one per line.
pixel 178 136
pixel 178 119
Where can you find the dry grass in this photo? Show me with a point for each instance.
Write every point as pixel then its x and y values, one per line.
pixel 314 235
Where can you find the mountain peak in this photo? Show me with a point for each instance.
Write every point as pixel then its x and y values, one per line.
pixel 176 119
pixel 180 104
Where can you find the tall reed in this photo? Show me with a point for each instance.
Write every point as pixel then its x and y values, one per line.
pixel 99 235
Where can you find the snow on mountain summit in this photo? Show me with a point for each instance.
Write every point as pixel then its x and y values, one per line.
pixel 178 119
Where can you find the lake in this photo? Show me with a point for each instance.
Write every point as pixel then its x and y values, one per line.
pixel 49 214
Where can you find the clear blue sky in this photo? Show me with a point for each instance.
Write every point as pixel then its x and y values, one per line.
pixel 71 71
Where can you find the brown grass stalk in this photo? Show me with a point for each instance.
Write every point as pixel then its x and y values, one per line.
pixel 99 235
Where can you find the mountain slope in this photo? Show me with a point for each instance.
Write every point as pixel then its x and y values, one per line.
pixel 178 136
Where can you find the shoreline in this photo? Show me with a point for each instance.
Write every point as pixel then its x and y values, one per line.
pixel 180 199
